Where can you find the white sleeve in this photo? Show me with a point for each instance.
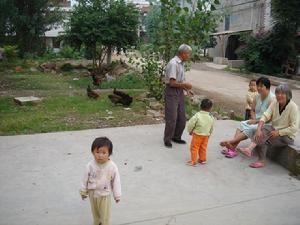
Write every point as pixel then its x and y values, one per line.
pixel 116 184
pixel 84 183
pixel 171 71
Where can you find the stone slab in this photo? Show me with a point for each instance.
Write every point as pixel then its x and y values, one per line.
pixel 27 100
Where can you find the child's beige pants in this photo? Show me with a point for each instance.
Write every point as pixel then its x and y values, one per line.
pixel 100 208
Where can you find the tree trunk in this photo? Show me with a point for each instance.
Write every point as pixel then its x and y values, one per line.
pixel 108 56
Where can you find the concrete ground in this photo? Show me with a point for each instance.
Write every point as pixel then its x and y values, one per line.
pixel 40 177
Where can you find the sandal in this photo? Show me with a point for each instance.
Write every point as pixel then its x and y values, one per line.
pixel 257 164
pixel 231 153
pixel 191 163
pixel 224 151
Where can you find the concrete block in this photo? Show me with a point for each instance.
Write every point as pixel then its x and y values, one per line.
pixel 235 63
pixel 220 60
pixel 288 157
pixel 27 100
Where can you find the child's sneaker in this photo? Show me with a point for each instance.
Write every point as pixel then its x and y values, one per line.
pixel 191 163
pixel 224 150
pixel 202 161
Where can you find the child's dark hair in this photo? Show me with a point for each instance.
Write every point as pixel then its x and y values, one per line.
pixel 264 81
pixel 206 104
pixel 101 142
pixel 252 80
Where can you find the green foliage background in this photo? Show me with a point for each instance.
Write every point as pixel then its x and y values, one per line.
pixel 266 52
pixel 23 23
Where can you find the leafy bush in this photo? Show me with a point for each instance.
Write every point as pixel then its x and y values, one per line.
pixel 71 53
pixel 153 71
pixel 11 52
pixel 67 53
pixel 260 53
pixel 266 52
pixel 49 54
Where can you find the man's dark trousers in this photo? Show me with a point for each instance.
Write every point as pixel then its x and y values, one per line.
pixel 174 113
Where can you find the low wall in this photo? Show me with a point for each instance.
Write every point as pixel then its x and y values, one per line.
pixel 220 60
pixel 235 63
pixel 288 157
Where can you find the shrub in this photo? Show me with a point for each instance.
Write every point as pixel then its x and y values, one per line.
pixel 67 52
pixel 70 53
pixel 260 53
pixel 153 71
pixel 265 52
pixel 11 52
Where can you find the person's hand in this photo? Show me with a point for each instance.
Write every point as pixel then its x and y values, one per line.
pixel 187 86
pixel 83 197
pixel 274 134
pixel 251 122
pixel 190 93
pixel 258 136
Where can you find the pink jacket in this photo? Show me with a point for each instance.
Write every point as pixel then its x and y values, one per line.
pixel 104 179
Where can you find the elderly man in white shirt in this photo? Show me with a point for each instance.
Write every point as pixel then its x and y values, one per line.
pixel 174 96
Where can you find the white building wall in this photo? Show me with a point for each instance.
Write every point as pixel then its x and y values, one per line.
pixel 267 15
pixel 253 15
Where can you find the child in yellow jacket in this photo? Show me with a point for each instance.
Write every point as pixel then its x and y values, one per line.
pixel 200 126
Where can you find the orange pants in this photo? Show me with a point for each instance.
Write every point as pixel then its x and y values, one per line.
pixel 198 147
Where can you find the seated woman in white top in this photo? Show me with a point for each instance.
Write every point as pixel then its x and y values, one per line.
pixel 247 128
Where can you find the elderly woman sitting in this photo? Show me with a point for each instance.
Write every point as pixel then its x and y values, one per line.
pixel 284 117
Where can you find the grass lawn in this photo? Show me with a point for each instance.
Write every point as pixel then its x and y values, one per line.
pixel 65 105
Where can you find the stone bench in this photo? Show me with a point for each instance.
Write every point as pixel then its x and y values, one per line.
pixel 288 157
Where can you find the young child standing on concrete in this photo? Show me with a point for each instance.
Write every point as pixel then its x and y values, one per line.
pixel 200 126
pixel 101 178
pixel 252 92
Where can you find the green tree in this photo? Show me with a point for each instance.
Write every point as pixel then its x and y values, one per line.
pixel 286 23
pixel 171 25
pixel 152 20
pixel 190 24
pixel 102 25
pixel 5 17
pixel 25 22
pixel 266 52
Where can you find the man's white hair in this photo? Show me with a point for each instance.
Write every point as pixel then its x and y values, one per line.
pixel 184 48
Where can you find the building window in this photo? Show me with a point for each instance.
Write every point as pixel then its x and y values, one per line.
pixel 227 22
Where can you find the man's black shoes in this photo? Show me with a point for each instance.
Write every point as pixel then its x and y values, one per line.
pixel 179 141
pixel 168 144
